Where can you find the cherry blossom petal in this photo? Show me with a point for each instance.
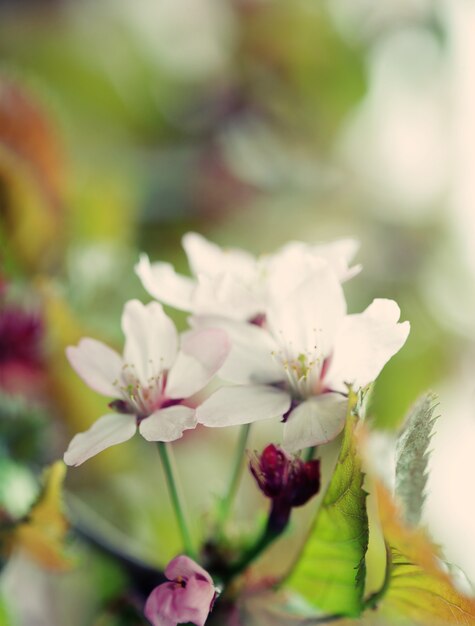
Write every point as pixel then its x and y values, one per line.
pixel 170 604
pixel 227 295
pixel 150 339
pixel 365 343
pixel 202 353
pixel 196 603
pixel 208 258
pixel 315 421
pixel 307 320
pixel 251 359
pixel 163 283
pixel 107 431
pixel 230 406
pixel 160 608
pixel 98 365
pixel 168 424
pixel 339 254
pixel 185 567
pixel 296 261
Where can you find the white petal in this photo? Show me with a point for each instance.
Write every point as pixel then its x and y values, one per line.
pixel 163 283
pixel 202 354
pixel 315 421
pixel 98 365
pixel 365 343
pixel 227 295
pixel 338 254
pixel 207 258
pixel 251 359
pixel 107 431
pixel 230 406
pixel 168 424
pixel 307 320
pixel 296 261
pixel 150 339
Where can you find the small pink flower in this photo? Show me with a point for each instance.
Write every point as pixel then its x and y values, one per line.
pixel 188 597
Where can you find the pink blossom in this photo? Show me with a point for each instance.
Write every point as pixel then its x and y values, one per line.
pixel 151 384
pixel 188 597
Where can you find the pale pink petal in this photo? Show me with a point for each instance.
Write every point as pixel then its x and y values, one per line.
pixel 207 258
pixel 98 365
pixel 315 421
pixel 107 431
pixel 230 406
pixel 160 607
pixel 252 356
pixel 184 566
pixel 170 604
pixel 151 339
pixel 168 424
pixel 365 343
pixel 305 323
pixel 202 354
pixel 163 283
pixel 195 603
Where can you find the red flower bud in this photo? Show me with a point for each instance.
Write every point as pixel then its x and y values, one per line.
pixel 287 479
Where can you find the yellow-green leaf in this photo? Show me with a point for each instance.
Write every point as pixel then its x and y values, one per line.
pixel 419 588
pixel 331 571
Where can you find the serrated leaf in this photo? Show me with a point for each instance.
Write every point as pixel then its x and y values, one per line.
pixel 43 533
pixel 419 587
pixel 331 571
pixel 412 455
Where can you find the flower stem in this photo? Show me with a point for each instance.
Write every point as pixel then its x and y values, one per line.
pixel 227 502
pixel 309 453
pixel 168 463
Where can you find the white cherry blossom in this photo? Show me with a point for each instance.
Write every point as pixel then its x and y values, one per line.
pixel 302 359
pixel 233 283
pixel 150 384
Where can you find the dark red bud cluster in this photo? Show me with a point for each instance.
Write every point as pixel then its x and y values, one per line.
pixel 284 478
pixel 20 336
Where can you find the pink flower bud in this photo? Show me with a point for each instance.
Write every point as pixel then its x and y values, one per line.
pixel 188 597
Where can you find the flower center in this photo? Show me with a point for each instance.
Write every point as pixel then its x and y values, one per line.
pixel 304 374
pixel 139 399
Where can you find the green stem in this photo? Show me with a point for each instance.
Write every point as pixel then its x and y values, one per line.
pixel 309 453
pixel 267 537
pixel 168 463
pixel 226 505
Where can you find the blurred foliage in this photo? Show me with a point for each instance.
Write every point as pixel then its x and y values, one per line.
pixel 24 432
pixel 42 532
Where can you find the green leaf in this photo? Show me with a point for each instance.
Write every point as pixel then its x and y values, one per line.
pixel 419 588
pixel 412 455
pixel 331 571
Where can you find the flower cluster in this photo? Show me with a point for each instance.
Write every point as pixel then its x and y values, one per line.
pixel 276 333
pixel 275 329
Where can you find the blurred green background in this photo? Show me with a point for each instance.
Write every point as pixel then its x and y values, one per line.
pixel 124 125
